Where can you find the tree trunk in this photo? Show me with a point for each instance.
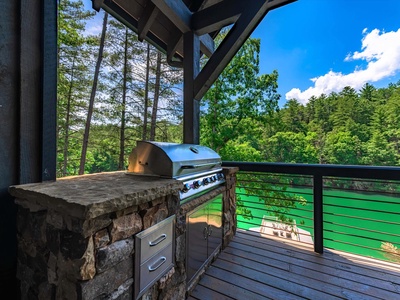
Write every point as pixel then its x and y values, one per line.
pixel 121 163
pixel 156 96
pixel 146 94
pixel 92 95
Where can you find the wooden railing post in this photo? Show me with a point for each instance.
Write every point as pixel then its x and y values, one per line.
pixel 318 214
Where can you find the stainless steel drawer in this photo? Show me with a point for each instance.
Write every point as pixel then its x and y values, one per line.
pixel 153 239
pixel 155 267
pixel 154 254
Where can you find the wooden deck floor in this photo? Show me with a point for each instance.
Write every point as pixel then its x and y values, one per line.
pixel 252 267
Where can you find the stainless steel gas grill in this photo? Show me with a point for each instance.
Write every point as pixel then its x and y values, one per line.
pixel 198 167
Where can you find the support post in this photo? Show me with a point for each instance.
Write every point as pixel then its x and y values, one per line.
pixel 191 106
pixel 318 214
pixel 28 101
pixel 49 90
pixel 38 91
pixel 9 143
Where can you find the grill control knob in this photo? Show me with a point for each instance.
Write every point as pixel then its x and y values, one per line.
pixel 196 184
pixel 186 187
pixel 206 181
pixel 213 178
pixel 220 176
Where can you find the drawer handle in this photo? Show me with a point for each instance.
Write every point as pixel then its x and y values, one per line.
pixel 158 240
pixel 157 264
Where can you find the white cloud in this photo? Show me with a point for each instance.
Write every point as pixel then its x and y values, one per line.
pixel 380 50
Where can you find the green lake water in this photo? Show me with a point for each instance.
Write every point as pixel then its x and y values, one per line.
pixel 353 222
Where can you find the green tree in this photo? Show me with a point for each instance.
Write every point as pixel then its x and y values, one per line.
pixel 346 106
pixel 74 77
pixel 122 104
pixel 343 148
pixel 384 146
pixel 239 94
pixel 320 110
pixel 236 151
pixel 103 153
pixel 368 92
pixel 293 117
pixel 92 97
pixel 291 147
pixel 379 152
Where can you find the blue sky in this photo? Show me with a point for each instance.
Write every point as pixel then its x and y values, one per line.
pixel 320 46
pixel 312 38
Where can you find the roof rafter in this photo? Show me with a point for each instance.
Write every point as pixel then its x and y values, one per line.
pixel 146 20
pixel 127 19
pixel 181 16
pixel 171 49
pixel 215 17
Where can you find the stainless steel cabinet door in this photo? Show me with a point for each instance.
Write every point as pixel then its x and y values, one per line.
pixel 214 224
pixel 204 235
pixel 196 240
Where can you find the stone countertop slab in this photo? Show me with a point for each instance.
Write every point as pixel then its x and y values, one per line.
pixel 90 196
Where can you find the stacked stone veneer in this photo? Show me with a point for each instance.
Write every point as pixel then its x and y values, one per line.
pixel 229 220
pixel 76 235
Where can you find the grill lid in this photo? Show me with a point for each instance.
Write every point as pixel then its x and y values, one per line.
pixel 172 160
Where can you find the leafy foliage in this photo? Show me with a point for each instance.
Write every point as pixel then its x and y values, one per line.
pixel 239 100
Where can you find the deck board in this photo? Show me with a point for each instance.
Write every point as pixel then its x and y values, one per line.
pixel 318 267
pixel 254 267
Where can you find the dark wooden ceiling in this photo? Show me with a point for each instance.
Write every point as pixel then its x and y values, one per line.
pixel 163 23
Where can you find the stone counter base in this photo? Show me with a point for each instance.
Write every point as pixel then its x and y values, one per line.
pixel 64 256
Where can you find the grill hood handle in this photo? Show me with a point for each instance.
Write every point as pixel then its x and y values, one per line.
pixel 199 165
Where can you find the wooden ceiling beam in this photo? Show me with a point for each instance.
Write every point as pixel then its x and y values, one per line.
pixel 128 20
pixel 176 11
pixel 146 20
pixel 215 17
pixel 171 49
pixel 181 16
pixel 122 14
pixel 237 36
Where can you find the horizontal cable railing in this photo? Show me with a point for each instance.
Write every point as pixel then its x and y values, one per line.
pixel 348 208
